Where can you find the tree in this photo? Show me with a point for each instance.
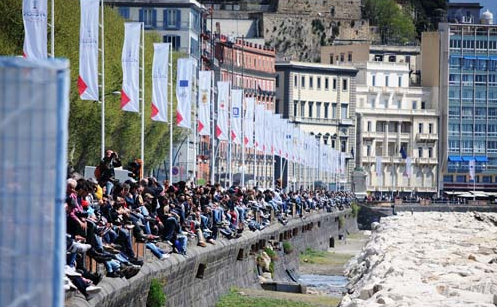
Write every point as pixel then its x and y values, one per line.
pixel 122 128
pixel 394 25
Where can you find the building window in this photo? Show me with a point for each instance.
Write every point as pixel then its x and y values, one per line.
pixel 369 126
pixel 414 105
pixel 334 84
pixel 295 80
pixel 420 152
pixel 124 12
pixel 302 82
pixel 423 105
pixel 318 109
pixel 174 40
pixel 326 83
pixel 331 58
pixel 380 126
pixel 345 111
pixel 405 127
pixel 350 57
pixel 295 108
pixel 386 80
pixel 343 147
pixel 461 178
pixel 430 152
pixel 277 106
pixel 172 19
pixel 400 81
pixel 311 105
pixel 302 109
pixel 368 150
pixel 277 81
pixel 311 82
pixel 342 57
pixel 448 178
pixel 486 179
pixel 333 110
pixel 148 17
pixel 326 110
pixel 373 80
pixel 420 128
pixel 318 80
pixel 430 128
pixel 344 85
pixel 333 144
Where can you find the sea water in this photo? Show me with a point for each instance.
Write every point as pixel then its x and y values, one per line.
pixel 331 285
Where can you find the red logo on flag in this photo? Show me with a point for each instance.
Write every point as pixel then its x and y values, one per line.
pixel 218 131
pixel 245 140
pixel 179 118
pixel 155 111
pixel 233 135
pixel 124 99
pixel 200 126
pixel 81 86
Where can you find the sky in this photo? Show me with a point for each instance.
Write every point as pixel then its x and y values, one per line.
pixel 487 4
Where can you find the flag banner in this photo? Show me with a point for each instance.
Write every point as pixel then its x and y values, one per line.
pixel 204 102
pixel 287 130
pixel 88 50
pixel 268 132
pixel 160 81
pixel 408 171
pixel 277 138
pixel 248 123
pixel 130 92
pixel 223 98
pixel 34 17
pixel 236 116
pixel 184 93
pixel 259 127
pixel 472 169
pixel 379 171
pixel 342 163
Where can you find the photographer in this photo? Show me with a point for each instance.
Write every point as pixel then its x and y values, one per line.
pixel 106 169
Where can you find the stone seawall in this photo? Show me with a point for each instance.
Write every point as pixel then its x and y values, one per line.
pixel 199 279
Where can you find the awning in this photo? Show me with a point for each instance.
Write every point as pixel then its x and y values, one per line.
pixel 493 58
pixel 482 58
pixel 467 159
pixel 469 57
pixel 455 159
pixel 481 159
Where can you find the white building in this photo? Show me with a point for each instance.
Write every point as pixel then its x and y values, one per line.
pixel 177 21
pixel 394 117
pixel 321 100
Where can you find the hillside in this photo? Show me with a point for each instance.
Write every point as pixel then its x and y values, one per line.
pixel 122 128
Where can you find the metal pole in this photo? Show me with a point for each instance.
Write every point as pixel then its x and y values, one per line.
pixel 213 130
pixel 52 29
pixel 171 113
pixel 242 119
pixel 195 130
pixel 272 177
pixel 142 47
pixel 102 74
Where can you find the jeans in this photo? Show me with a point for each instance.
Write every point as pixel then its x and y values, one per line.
pixel 124 239
pixel 181 242
pixel 112 266
pixel 158 252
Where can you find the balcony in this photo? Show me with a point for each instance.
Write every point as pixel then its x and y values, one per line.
pixel 426 137
pixel 346 122
pixel 426 189
pixel 426 161
pixel 317 121
pixel 371 135
pixel 400 112
pixel 368 159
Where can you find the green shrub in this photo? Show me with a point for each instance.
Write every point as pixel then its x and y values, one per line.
pixel 271 253
pixel 287 247
pixel 355 209
pixel 156 297
pixel 341 222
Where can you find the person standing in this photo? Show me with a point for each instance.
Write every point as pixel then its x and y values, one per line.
pixel 106 173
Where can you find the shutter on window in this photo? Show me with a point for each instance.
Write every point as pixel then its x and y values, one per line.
pixel 178 19
pixel 154 18
pixel 178 42
pixel 141 15
pixel 165 20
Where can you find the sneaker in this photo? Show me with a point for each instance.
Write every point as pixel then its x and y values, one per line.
pixel 70 271
pixel 130 270
pixel 77 247
pixel 93 289
pixel 164 257
pixel 202 243
pixel 136 261
pixel 112 274
pixel 68 285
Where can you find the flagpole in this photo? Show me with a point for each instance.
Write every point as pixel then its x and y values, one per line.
pixel 142 137
pixel 213 130
pixel 52 29
pixel 102 74
pixel 195 127
pixel 242 119
pixel 171 114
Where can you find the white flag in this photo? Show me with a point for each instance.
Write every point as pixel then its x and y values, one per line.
pixel 236 116
pixel 472 169
pixel 88 50
pixel 248 123
pixel 259 126
pixel 223 99
pixel 130 93
pixel 268 132
pixel 34 16
pixel 184 93
pixel 160 80
pixel 408 168
pixel 379 171
pixel 204 102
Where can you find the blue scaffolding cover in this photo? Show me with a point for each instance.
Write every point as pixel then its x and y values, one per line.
pixel 455 159
pixel 481 159
pixel 468 158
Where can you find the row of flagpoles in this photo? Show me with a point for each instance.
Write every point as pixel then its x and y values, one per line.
pixel 236 123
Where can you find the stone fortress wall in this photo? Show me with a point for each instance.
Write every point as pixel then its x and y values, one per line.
pixel 199 279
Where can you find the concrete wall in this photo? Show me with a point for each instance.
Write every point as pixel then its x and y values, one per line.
pixel 227 264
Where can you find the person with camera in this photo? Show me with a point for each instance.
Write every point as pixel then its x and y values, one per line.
pixel 106 170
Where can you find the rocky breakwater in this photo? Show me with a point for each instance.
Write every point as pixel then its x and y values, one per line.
pixel 426 259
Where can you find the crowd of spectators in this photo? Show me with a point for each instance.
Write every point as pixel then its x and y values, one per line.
pixel 104 215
